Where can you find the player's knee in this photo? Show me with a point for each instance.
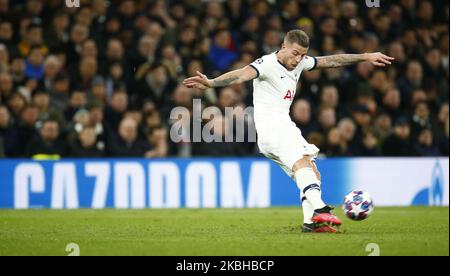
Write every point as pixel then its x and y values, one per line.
pixel 305 162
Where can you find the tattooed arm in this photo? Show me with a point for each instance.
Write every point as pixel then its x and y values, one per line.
pixel 377 59
pixel 237 76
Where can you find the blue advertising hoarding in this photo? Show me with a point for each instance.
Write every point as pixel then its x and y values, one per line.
pixel 212 183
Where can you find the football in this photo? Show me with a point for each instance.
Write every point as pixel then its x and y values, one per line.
pixel 358 205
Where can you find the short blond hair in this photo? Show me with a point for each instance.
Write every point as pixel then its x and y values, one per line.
pixel 297 36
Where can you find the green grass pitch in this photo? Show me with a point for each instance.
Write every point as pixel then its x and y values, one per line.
pixel 247 232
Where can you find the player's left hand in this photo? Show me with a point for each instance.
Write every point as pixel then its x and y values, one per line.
pixel 200 82
pixel 379 59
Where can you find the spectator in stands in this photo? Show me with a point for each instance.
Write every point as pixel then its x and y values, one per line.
pixel 8 132
pixel 434 73
pixel 442 132
pixel 115 78
pixel 26 128
pixel 80 121
pixel 420 119
pixel 114 54
pixel 156 87
pixel 16 103
pixel 77 101
pixel 351 133
pixel 335 145
pixel 382 127
pixel 145 52
pixel 271 41
pixel 418 95
pixel 399 142
pixel 326 118
pixel 410 43
pixel 391 103
pixel 216 146
pixel 444 50
pixel 6 87
pixel 98 92
pixel 356 82
pixel 366 98
pixel 17 71
pixel 89 49
pixel 362 118
pixel 4 59
pixel 227 98
pixel 78 35
pixel 33 8
pixel 425 145
pixel 369 145
pixel 47 144
pixel 116 109
pixel 128 144
pixel 329 96
pixel 222 54
pixel 52 66
pixel 301 115
pixel 379 82
pixel 96 121
pixel 59 95
pixel 58 34
pixel 85 74
pixel 41 100
pixel 33 38
pixel 397 51
pixel 86 144
pixel 412 80
pixel 157 138
pixel 6 36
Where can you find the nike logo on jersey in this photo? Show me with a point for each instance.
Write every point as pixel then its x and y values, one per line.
pixel 282 77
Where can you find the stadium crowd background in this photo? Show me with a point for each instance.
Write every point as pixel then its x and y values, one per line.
pixel 101 80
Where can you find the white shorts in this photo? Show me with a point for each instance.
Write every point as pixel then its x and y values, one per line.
pixel 283 143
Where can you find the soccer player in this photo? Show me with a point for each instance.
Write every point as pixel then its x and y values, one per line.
pixel 275 78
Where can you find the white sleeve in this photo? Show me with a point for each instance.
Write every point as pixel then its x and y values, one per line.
pixel 260 65
pixel 309 63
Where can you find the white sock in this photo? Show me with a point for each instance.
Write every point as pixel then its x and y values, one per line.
pixel 309 186
pixel 308 211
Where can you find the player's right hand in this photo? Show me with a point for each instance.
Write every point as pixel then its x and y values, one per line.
pixel 200 82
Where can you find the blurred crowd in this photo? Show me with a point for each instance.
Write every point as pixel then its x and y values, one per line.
pixel 102 79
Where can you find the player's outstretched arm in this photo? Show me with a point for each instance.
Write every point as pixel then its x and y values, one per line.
pixel 237 76
pixel 376 59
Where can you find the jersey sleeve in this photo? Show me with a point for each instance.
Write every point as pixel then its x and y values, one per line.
pixel 260 65
pixel 309 63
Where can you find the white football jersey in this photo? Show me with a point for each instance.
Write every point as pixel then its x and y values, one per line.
pixel 275 87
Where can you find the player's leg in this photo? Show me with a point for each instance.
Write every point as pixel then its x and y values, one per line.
pixel 309 226
pixel 285 149
pixel 309 181
pixel 307 208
